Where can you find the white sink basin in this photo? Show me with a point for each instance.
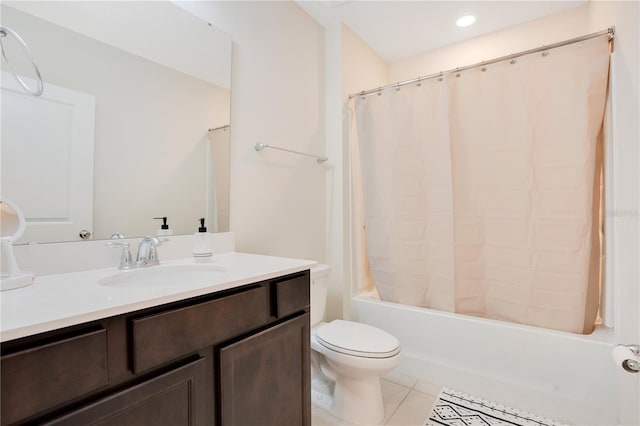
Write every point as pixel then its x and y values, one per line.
pixel 162 276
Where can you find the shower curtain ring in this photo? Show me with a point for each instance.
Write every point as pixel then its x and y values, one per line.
pixel 419 83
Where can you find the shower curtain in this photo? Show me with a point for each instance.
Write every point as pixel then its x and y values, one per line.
pixel 481 191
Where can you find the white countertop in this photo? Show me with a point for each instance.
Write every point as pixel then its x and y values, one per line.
pixel 62 300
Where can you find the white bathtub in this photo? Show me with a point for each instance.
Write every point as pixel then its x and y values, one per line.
pixel 566 377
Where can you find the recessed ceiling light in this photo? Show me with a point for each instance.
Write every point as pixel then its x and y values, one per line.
pixel 465 21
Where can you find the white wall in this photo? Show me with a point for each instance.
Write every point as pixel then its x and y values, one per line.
pixel 335 195
pixel 359 68
pixel 548 30
pixel 624 214
pixel 362 68
pixel 348 63
pixel 277 97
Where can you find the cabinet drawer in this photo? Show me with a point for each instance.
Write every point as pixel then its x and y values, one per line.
pixel 291 295
pixel 162 337
pixel 42 377
pixel 175 398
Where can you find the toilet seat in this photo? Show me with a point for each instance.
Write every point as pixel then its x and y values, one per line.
pixel 357 339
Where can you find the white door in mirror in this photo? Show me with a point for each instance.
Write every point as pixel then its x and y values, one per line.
pixel 11 228
pixel 54 189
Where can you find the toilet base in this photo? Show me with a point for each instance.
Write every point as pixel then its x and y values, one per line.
pixel 358 401
pixel 322 399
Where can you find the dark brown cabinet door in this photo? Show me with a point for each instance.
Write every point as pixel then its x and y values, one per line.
pixel 176 398
pixel 265 378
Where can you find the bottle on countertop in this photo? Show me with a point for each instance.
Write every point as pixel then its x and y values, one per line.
pixel 164 228
pixel 201 249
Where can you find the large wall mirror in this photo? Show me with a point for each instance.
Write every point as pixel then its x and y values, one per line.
pixel 133 122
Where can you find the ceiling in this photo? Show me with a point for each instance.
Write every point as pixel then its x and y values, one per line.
pixel 400 29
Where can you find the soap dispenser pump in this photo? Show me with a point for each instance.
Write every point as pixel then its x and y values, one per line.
pixel 201 249
pixel 164 228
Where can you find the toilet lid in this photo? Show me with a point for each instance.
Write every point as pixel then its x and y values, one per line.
pixel 357 339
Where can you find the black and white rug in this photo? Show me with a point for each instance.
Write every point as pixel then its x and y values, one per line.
pixel 455 408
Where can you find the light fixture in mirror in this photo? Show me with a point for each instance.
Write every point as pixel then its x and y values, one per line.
pixel 122 132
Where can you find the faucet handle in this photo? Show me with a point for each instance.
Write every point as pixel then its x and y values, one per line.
pixel 126 259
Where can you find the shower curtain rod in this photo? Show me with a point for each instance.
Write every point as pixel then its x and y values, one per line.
pixel 225 127
pixel 608 32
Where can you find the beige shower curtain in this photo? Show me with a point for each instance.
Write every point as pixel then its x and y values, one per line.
pixel 482 192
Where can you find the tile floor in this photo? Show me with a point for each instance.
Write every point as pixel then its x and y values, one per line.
pixel 407 402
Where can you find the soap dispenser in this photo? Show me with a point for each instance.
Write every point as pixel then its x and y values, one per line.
pixel 164 228
pixel 201 249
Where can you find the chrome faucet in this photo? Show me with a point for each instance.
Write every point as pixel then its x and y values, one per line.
pixel 148 253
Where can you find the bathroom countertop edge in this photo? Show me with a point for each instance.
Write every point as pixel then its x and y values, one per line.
pixel 42 307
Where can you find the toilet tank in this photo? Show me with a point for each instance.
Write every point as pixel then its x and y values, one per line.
pixel 319 286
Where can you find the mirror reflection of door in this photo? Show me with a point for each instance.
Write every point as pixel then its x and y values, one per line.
pixel 54 188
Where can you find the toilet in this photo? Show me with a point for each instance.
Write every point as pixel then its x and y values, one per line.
pixel 347 360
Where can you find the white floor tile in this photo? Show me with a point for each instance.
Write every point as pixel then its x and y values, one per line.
pixel 392 395
pixel 400 378
pixel 414 410
pixel 319 417
pixel 432 389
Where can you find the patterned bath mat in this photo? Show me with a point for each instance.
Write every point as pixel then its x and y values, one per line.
pixel 455 408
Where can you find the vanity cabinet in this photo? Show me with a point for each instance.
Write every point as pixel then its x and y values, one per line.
pixel 172 398
pixel 44 375
pixel 235 357
pixel 265 377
